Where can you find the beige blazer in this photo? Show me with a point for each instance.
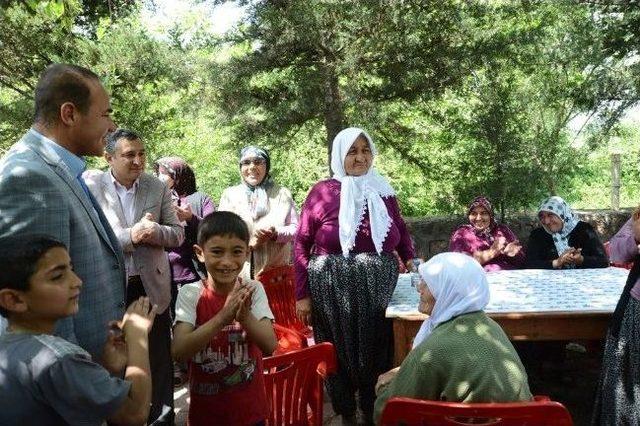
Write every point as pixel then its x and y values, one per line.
pixel 150 260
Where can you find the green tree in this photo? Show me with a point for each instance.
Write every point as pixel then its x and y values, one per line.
pixel 325 62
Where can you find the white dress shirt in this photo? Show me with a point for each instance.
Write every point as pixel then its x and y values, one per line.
pixel 127 199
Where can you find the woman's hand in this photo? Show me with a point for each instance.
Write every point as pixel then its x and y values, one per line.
pixel 385 378
pixel 512 249
pixel 412 264
pixel 575 256
pixel 498 247
pixel 303 310
pixel 565 258
pixel 184 213
pixel 263 235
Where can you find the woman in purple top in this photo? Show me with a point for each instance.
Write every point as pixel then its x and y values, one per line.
pixel 191 206
pixel 618 397
pixel 346 270
pixel 494 246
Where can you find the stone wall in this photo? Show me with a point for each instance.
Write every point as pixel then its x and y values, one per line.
pixel 431 234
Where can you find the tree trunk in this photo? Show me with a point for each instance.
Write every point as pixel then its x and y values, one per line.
pixel 333 109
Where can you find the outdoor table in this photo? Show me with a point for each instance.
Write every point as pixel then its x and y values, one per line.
pixel 529 304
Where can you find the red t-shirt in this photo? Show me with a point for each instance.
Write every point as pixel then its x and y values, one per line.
pixel 226 385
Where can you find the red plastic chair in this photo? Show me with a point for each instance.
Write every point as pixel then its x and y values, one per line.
pixel 293 383
pixel 289 340
pixel 279 284
pixel 540 411
pixel 626 265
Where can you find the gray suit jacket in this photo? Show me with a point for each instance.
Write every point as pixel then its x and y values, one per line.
pixel 38 194
pixel 151 261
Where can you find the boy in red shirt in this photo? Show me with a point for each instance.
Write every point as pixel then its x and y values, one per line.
pixel 223 326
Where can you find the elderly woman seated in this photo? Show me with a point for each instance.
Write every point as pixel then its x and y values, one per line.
pixel 563 241
pixel 459 354
pixel 495 246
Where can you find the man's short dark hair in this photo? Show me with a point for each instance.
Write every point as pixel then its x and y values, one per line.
pixel 19 255
pixel 115 136
pixel 218 224
pixel 60 83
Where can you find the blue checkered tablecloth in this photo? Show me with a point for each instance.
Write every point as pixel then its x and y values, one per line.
pixel 533 290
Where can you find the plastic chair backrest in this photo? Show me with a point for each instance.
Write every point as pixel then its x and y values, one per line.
pixel 410 411
pixel 279 284
pixel 626 265
pixel 293 382
pixel 289 340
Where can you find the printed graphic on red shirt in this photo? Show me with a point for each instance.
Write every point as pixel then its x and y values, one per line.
pixel 226 362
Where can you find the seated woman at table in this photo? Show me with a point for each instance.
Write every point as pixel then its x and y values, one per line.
pixel 618 397
pixel 563 241
pixel 459 353
pixel 623 247
pixel 494 246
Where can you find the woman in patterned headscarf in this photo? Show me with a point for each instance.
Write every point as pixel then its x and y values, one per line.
pixel 346 269
pixel 191 206
pixel 494 246
pixel 267 208
pixel 563 240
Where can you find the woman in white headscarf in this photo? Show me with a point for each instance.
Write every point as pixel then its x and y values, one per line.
pixel 346 270
pixel 267 208
pixel 459 353
pixel 563 240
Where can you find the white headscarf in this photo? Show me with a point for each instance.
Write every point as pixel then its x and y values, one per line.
pixel 560 208
pixel 358 193
pixel 459 286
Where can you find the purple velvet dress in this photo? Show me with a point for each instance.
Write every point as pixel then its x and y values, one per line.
pixel 467 240
pixel 349 295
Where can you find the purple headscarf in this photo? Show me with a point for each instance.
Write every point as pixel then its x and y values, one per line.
pixel 483 202
pixel 184 180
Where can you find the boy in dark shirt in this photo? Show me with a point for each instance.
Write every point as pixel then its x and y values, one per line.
pixel 46 380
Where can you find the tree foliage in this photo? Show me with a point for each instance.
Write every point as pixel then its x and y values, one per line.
pixel 462 98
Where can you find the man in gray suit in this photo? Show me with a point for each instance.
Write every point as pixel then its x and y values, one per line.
pixel 41 191
pixel 140 210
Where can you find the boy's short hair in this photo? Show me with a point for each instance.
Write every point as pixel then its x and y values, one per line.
pixel 222 223
pixel 19 255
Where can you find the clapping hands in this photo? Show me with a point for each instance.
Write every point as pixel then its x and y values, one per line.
pixel 500 246
pixel 571 256
pixel 184 213
pixel 238 303
pixel 143 231
pixel 263 235
pixel 136 322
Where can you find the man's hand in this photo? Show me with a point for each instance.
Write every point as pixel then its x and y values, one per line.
pixel 143 231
